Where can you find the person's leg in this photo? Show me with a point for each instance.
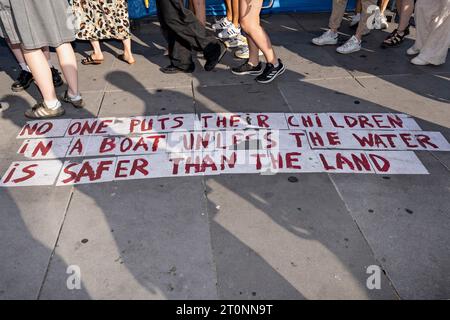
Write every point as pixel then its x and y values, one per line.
pixel 16 49
pixel 383 6
pixel 337 14
pixel 235 12
pixel 180 51
pixel 256 36
pixel 37 62
pixel 229 10
pixel 435 46
pixel 198 7
pixel 184 23
pixel 57 80
pixel 97 54
pixel 25 78
pixel 422 18
pixel 405 11
pixel 362 27
pixel 127 53
pixel 68 63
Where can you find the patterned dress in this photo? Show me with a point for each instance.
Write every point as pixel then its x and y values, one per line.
pixel 101 19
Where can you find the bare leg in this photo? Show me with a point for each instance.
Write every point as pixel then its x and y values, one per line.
pixel 198 7
pixel 235 11
pixel 37 62
pixel 229 8
pixel 16 49
pixel 256 36
pixel 97 54
pixel 127 54
pixel 68 64
pixel 405 9
pixel 383 6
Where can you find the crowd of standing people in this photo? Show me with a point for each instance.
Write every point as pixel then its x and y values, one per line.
pixel 30 27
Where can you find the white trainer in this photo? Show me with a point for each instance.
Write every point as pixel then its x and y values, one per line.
pixel 230 32
pixel 412 51
pixel 352 45
pixel 419 62
pixel 221 24
pixel 244 53
pixel 235 42
pixel 355 19
pixel 327 38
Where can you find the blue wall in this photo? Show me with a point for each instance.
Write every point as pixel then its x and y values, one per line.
pixel 216 7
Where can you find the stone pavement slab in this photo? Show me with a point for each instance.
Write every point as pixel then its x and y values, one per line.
pixel 405 221
pixel 157 248
pixel 298 237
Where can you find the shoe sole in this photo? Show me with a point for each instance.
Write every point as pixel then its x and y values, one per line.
pixel 280 72
pixel 22 88
pixel 348 52
pixel 248 73
pixel 47 117
pixel 326 43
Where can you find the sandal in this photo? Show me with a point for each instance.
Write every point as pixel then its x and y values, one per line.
pixel 121 57
pixel 395 38
pixel 89 60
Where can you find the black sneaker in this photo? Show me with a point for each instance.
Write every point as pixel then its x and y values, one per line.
pixel 213 53
pixel 57 80
pixel 171 69
pixel 23 81
pixel 248 69
pixel 270 72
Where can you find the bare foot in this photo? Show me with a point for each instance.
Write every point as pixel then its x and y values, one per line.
pixel 128 57
pixel 97 56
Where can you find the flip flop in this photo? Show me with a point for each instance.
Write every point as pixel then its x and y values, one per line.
pixel 121 57
pixel 89 60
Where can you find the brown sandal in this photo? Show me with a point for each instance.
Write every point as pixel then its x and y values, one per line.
pixel 121 57
pixel 89 60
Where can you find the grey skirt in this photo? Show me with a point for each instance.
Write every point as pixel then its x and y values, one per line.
pixel 7 24
pixel 43 23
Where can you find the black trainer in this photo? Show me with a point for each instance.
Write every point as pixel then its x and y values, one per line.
pixel 23 81
pixel 248 69
pixel 213 53
pixel 57 80
pixel 171 69
pixel 270 72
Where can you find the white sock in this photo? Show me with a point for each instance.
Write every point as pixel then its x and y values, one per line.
pixel 277 64
pixel 24 67
pixel 74 98
pixel 54 104
pixel 50 64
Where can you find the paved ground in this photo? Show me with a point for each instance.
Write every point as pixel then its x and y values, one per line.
pixel 237 236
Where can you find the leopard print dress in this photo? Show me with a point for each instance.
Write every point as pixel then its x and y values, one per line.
pixel 101 19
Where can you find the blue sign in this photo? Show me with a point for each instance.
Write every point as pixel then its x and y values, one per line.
pixel 138 10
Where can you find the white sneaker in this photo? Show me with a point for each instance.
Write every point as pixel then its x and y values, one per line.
pixel 235 42
pixel 244 53
pixel 412 51
pixel 419 62
pixel 352 45
pixel 221 24
pixel 380 21
pixel 355 19
pixel 327 38
pixel 229 32
pixel 384 22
